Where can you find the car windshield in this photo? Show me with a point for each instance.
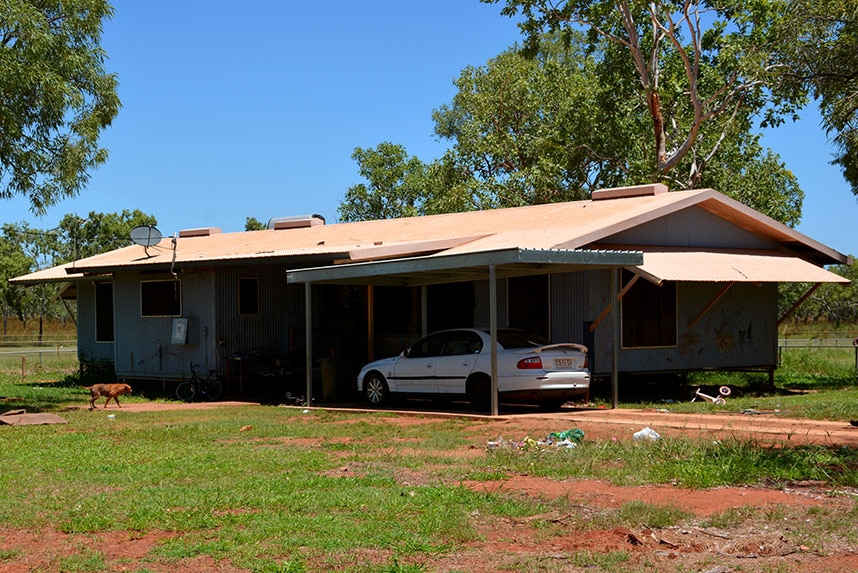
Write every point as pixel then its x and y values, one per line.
pixel 520 339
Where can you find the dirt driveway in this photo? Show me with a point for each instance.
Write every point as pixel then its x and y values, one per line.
pixel 604 423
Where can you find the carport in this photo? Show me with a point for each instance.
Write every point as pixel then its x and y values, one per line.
pixel 471 266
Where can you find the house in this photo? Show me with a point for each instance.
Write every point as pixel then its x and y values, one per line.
pixel 694 275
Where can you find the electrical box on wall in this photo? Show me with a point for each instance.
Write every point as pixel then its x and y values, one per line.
pixel 185 331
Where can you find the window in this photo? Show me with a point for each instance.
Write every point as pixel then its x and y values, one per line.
pixel 161 298
pixel 429 346
pixel 248 296
pixel 527 303
pixel 649 314
pixel 104 312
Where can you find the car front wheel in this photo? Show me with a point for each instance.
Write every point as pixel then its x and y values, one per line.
pixel 375 389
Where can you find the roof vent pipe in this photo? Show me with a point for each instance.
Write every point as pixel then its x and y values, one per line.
pixel 296 222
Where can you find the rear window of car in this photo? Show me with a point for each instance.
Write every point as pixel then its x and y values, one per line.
pixel 464 342
pixel 520 339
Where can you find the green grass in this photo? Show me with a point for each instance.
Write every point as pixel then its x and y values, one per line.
pixel 361 484
pixel 252 496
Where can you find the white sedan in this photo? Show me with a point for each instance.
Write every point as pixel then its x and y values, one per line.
pixel 457 363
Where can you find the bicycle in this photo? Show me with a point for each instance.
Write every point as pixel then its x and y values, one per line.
pixel 208 388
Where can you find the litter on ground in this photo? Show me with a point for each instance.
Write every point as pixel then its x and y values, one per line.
pixel 646 434
pixel 566 439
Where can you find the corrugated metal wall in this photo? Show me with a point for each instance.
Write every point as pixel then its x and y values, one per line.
pixel 568 306
pixel 144 345
pixel 693 227
pixel 738 332
pixel 271 332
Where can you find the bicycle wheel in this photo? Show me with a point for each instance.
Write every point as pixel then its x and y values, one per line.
pixel 214 390
pixel 186 391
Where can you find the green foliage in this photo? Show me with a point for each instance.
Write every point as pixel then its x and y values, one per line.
pixel 835 304
pixel 696 80
pixel 396 183
pixel 254 224
pixel 25 249
pixel 559 123
pixel 820 53
pixel 13 262
pixel 522 133
pixel 79 238
pixel 55 97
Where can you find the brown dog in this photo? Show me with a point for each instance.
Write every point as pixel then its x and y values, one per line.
pixel 96 391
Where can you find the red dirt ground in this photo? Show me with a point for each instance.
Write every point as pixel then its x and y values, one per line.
pixel 761 546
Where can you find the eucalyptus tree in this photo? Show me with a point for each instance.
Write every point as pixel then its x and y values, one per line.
pixel 13 262
pixel 550 127
pixel 55 97
pixel 522 132
pixel 820 52
pixel 699 66
pixel 526 130
pixel 395 185
pixel 74 238
pixel 79 237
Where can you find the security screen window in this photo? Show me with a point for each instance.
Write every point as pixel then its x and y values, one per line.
pixel 649 314
pixel 248 295
pixel 104 312
pixel 161 298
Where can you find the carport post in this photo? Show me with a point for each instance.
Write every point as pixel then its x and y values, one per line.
pixel 493 330
pixel 615 337
pixel 308 337
pixel 424 311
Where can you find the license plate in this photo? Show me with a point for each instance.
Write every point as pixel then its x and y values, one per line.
pixel 564 363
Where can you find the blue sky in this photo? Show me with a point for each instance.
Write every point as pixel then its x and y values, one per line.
pixel 254 109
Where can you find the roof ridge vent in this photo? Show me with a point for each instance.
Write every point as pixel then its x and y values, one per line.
pixel 632 191
pixel 201 232
pixel 296 221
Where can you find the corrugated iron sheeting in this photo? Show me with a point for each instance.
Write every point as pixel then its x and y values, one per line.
pixel 281 312
pixel 730 266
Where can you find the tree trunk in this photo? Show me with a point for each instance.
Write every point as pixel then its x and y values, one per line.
pixel 658 128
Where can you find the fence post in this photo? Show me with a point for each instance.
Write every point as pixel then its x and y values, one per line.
pixel 23 367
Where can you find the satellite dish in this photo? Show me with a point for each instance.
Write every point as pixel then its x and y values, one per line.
pixel 146 236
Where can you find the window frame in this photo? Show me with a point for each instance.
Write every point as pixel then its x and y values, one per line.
pixel 155 312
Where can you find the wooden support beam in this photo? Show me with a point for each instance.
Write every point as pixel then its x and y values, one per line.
pixel 798 303
pixel 709 306
pixel 607 310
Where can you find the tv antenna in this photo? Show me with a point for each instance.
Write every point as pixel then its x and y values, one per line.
pixel 146 236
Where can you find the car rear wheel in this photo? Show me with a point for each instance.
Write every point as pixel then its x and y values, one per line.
pixel 479 392
pixel 551 405
pixel 375 389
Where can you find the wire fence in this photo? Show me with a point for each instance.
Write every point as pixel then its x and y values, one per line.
pixel 837 344
pixel 30 359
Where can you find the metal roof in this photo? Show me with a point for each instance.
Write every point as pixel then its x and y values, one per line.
pixel 723 265
pixel 58 274
pixel 464 267
pixel 565 227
